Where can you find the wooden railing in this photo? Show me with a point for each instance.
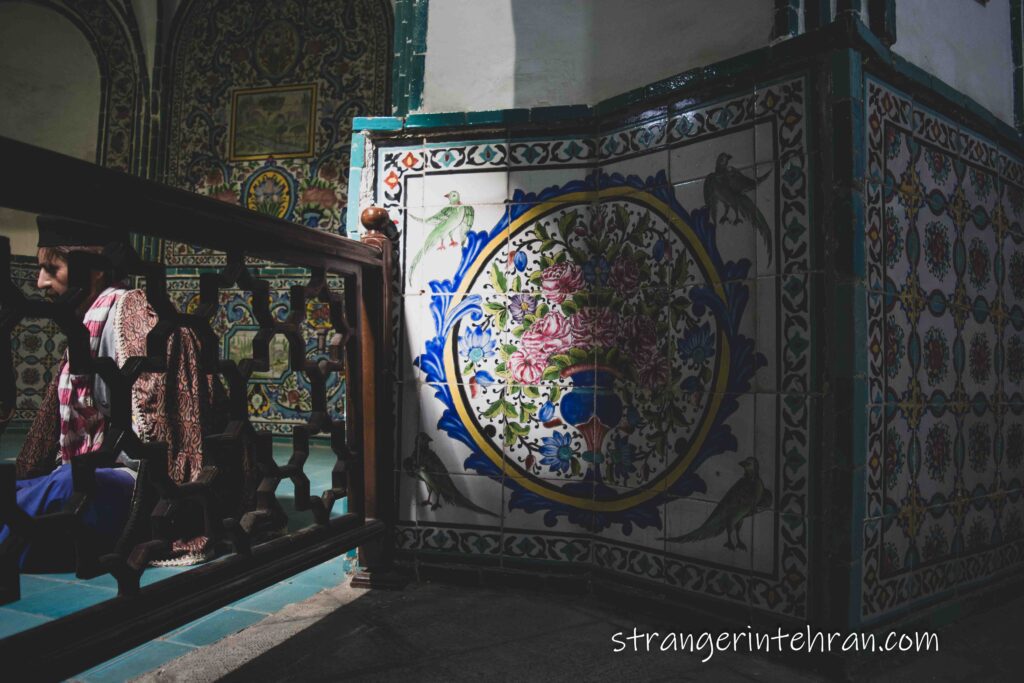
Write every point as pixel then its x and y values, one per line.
pixel 38 181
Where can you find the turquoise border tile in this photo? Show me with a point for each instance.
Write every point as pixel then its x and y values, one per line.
pixel 357 151
pixel 30 585
pixel 214 627
pixel 277 597
pixel 326 575
pixel 376 123
pixel 446 120
pixel 104 581
pixel 154 574
pixel 14 621
pixel 64 598
pixel 481 118
pixel 133 663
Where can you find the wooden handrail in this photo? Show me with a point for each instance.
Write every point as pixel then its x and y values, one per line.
pixel 37 180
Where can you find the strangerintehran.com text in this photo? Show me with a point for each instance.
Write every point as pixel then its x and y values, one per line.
pixel 809 640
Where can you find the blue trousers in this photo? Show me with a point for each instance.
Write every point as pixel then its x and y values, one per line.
pixel 104 518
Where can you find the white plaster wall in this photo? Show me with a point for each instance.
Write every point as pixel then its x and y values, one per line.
pixel 496 54
pixel 964 43
pixel 634 43
pixel 49 95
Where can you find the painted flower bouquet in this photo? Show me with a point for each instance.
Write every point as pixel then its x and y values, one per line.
pixel 586 345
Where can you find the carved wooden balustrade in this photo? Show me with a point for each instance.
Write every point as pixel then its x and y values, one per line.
pixel 39 181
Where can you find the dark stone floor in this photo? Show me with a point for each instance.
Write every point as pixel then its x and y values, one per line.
pixel 431 632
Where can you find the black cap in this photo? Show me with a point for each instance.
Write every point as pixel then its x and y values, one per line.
pixel 56 231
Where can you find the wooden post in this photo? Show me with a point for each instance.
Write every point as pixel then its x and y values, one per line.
pixel 376 335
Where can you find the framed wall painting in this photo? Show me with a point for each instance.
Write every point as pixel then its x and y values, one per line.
pixel 272 122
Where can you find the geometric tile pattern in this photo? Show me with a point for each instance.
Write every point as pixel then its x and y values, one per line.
pixel 945 277
pixel 36 344
pixel 280 398
pixel 523 478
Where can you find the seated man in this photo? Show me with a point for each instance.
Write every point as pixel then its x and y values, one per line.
pixel 177 408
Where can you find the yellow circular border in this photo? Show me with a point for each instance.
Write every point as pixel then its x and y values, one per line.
pixel 451 370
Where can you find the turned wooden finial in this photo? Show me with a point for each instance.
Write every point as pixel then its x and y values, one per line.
pixel 377 223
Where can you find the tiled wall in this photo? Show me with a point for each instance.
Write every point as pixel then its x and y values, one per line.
pixel 36 347
pixel 943 506
pixel 607 346
pixel 342 49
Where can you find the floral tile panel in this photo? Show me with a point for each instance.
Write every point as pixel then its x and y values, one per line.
pixel 591 349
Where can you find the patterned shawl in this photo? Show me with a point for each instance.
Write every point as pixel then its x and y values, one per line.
pixel 177 408
pixel 82 425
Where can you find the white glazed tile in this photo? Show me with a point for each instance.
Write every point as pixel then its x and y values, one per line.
pixel 518 520
pixel 735 241
pixel 650 537
pixel 696 160
pixel 937 338
pixel 767 247
pixel 538 180
pixel 937 439
pixel 475 501
pixel 763 534
pixel 763 310
pixel 430 259
pixel 475 188
pixel 648 169
pixel 766 143
pixel 978 468
pixel 979 343
pixel 937 236
pixel 684 516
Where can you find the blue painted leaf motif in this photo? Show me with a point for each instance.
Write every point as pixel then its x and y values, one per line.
pixel 659 250
pixel 520 261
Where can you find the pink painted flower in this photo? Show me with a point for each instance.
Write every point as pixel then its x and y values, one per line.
pixel 594 327
pixel 561 280
pixel 527 369
pixel 546 337
pixel 321 196
pixel 651 370
pixel 226 196
pixel 639 336
pixel 625 275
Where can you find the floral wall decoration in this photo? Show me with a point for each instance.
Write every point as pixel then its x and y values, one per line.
pixel 335 54
pixel 238 72
pixel 943 501
pixel 606 346
pixel 563 357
